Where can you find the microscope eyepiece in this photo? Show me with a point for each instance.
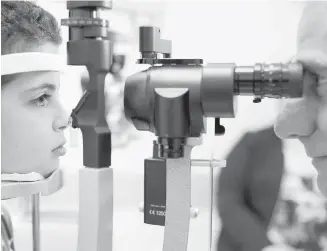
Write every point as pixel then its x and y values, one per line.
pixel 269 80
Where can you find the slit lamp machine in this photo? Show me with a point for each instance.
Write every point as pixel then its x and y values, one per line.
pixel 171 99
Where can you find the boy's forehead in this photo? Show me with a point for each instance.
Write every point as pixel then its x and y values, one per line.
pixel 38 79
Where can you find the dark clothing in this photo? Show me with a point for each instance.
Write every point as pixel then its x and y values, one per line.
pixel 248 191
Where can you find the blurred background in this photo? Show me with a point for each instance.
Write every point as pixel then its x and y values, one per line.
pixel 244 32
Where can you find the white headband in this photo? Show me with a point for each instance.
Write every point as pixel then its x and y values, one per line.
pixel 31 61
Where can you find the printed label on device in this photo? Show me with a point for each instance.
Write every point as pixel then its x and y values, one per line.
pixel 154 191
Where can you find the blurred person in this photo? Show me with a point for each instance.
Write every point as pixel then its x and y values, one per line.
pixel 306 118
pixel 299 221
pixel 284 227
pixel 248 190
pixel 311 215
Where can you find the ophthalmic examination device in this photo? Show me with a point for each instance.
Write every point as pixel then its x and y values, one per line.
pixel 171 99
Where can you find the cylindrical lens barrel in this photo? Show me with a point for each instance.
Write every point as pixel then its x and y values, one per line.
pixel 269 80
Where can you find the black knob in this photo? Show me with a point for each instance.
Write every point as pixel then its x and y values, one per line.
pixel 219 129
pixel 257 100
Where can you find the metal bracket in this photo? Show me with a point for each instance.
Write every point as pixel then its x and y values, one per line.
pixel 152 47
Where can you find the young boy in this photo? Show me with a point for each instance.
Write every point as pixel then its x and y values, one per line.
pixel 33 119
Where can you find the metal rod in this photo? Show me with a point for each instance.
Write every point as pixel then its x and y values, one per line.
pixel 36 221
pixel 215 220
pixel 206 162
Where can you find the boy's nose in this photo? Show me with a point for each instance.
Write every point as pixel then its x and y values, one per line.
pixel 62 121
pixel 297 119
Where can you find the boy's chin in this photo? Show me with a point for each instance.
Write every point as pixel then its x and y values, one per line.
pixel 50 168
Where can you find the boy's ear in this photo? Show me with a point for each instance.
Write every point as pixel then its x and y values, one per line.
pixel 312 29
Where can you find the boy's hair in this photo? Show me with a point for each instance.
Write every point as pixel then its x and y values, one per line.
pixel 25 26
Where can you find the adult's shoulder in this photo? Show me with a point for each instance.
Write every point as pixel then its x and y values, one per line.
pixel 265 135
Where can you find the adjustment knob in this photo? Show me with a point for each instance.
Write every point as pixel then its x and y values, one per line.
pixel 219 129
pixel 257 100
pixel 80 22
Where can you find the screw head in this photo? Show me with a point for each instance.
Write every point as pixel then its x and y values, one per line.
pixel 194 212
pixel 141 207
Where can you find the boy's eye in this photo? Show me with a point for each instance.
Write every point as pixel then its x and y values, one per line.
pixel 42 100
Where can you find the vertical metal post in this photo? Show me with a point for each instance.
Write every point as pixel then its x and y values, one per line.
pixel 36 221
pixel 211 194
pixel 215 220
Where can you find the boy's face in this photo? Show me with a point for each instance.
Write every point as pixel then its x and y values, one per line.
pixel 33 123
